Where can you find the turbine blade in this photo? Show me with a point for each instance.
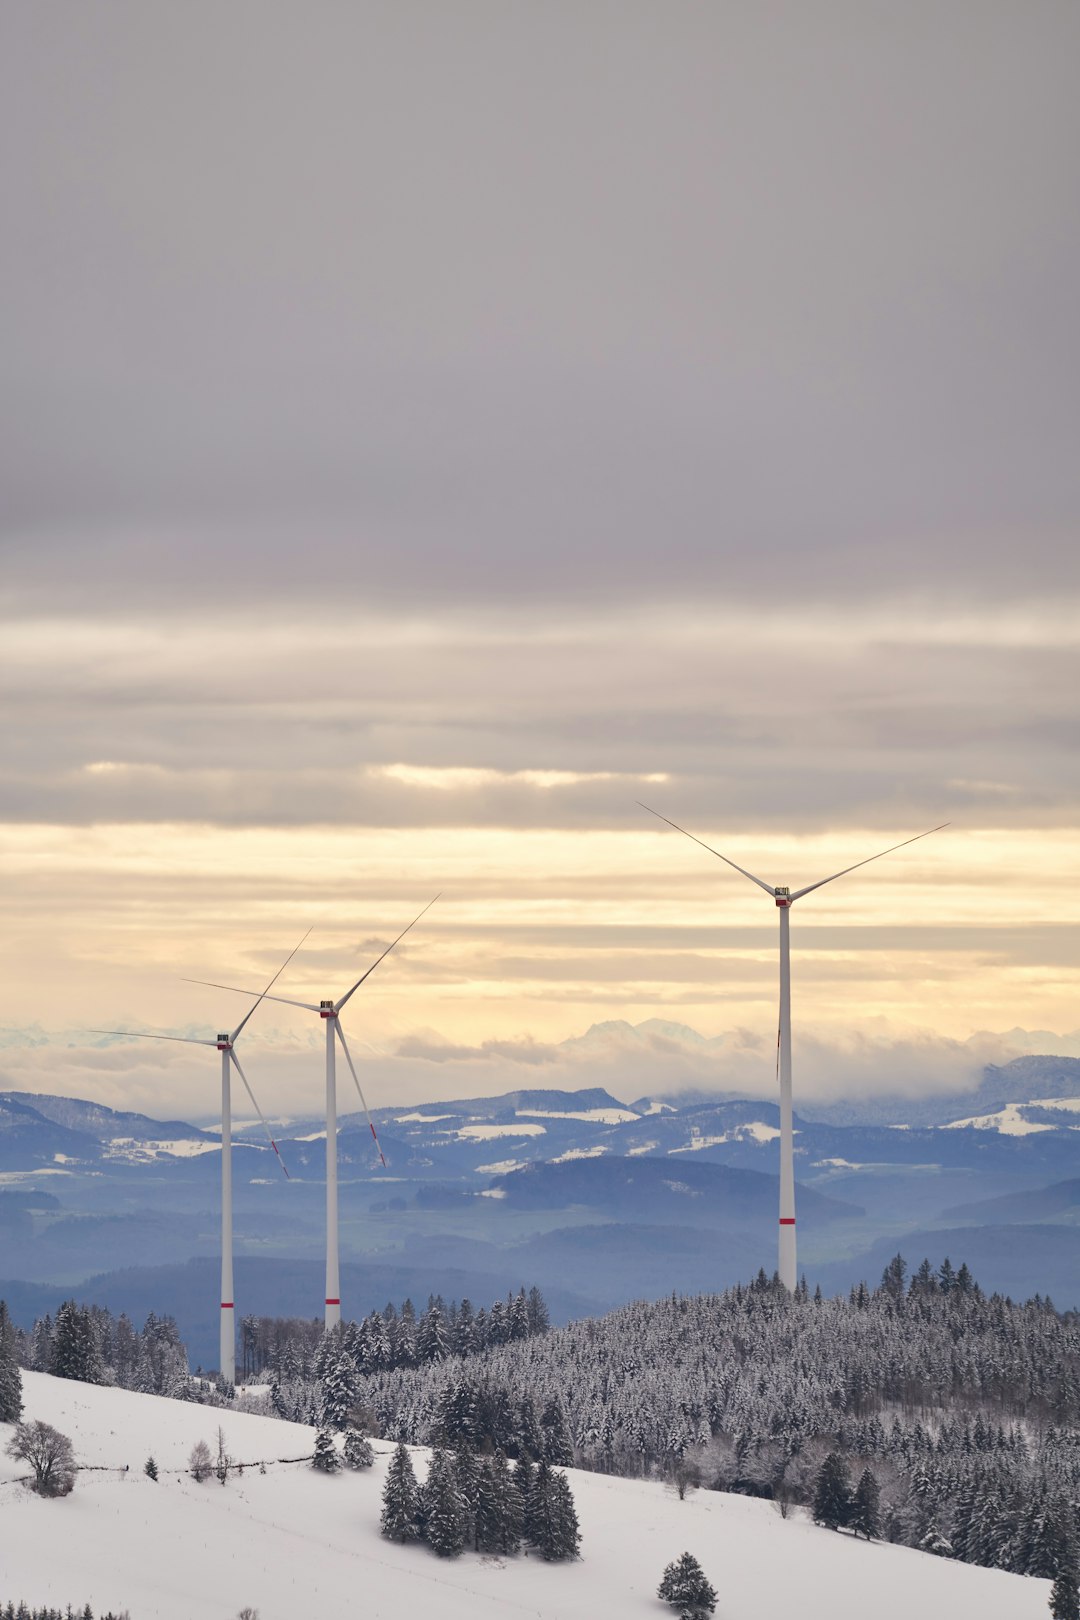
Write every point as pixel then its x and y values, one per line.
pixel 339 1004
pixel 233 1057
pixel 145 1035
pixel 761 885
pixel 810 887
pixel 356 1079
pixel 277 976
pixel 308 1006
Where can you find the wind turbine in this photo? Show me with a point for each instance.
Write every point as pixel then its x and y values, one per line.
pixel 225 1044
pixel 784 900
pixel 330 1011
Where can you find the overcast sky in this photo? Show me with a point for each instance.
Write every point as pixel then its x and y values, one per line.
pixel 428 429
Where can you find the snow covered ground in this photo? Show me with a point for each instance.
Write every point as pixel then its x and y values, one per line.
pixel 293 1543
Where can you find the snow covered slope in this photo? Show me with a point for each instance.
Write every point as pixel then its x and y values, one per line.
pixel 294 1543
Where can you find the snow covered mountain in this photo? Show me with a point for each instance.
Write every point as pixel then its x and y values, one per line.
pixel 290 1542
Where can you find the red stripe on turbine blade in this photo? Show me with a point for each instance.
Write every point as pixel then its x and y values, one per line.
pixel 787 1220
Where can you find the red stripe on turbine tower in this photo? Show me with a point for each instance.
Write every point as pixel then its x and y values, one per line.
pixel 787 1220
pixel 333 1302
pixel 227 1305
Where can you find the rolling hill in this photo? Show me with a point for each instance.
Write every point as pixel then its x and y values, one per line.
pixel 291 1542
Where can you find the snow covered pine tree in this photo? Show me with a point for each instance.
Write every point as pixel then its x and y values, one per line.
pixel 325 1457
pixel 1065 1596
pixel 684 1586
pixel 400 1499
pixel 10 1376
pixel 358 1452
pixel 445 1507
pixel 865 1515
pixel 832 1493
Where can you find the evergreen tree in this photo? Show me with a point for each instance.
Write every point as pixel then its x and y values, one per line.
pixel 525 1480
pixel 74 1351
pixel 10 1376
pixel 518 1316
pixel 894 1276
pixel 535 1495
pixel 558 1447
pixel 445 1514
pixel 563 1537
pixel 550 1519
pixel 358 1452
pixel 467 1473
pixel 832 1493
pixel 432 1339
pixel 539 1320
pixel 150 1469
pixel 685 1587
pixel 486 1517
pixel 1065 1596
pixel 508 1510
pixel 405 1344
pixel 41 1343
pixel 530 1438
pixel 400 1499
pixel 325 1457
pixel 338 1389
pixel 865 1507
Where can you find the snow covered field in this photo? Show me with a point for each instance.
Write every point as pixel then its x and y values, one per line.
pixel 293 1543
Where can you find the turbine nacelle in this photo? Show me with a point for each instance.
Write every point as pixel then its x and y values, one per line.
pixel 783 897
pixel 224 1042
pixel 327 1009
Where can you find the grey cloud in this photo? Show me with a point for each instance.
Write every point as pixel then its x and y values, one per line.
pixel 437 305
pixel 298 725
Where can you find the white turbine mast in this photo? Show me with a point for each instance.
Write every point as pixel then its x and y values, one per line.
pixel 225 1044
pixel 784 900
pixel 330 1011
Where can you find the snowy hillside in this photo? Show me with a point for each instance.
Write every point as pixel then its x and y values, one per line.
pixel 292 1542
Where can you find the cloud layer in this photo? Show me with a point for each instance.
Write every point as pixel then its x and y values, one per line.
pixel 478 419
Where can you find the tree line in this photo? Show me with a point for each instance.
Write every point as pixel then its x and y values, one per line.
pixel 88 1343
pixel 315 1377
pixel 962 1408
pixel 20 1611
pixel 396 1336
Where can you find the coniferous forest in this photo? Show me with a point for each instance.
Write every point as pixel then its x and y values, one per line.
pixel 921 1411
pixel 88 1343
pixel 953 1417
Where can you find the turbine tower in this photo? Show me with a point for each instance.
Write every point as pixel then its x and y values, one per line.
pixel 225 1044
pixel 784 900
pixel 330 1012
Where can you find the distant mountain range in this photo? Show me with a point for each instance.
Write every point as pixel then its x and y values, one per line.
pixel 589 1195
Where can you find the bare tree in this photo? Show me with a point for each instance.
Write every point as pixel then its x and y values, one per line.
pixel 49 1454
pixel 224 1461
pixel 199 1462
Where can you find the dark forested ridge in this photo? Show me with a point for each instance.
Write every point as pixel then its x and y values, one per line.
pixel 964 1408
